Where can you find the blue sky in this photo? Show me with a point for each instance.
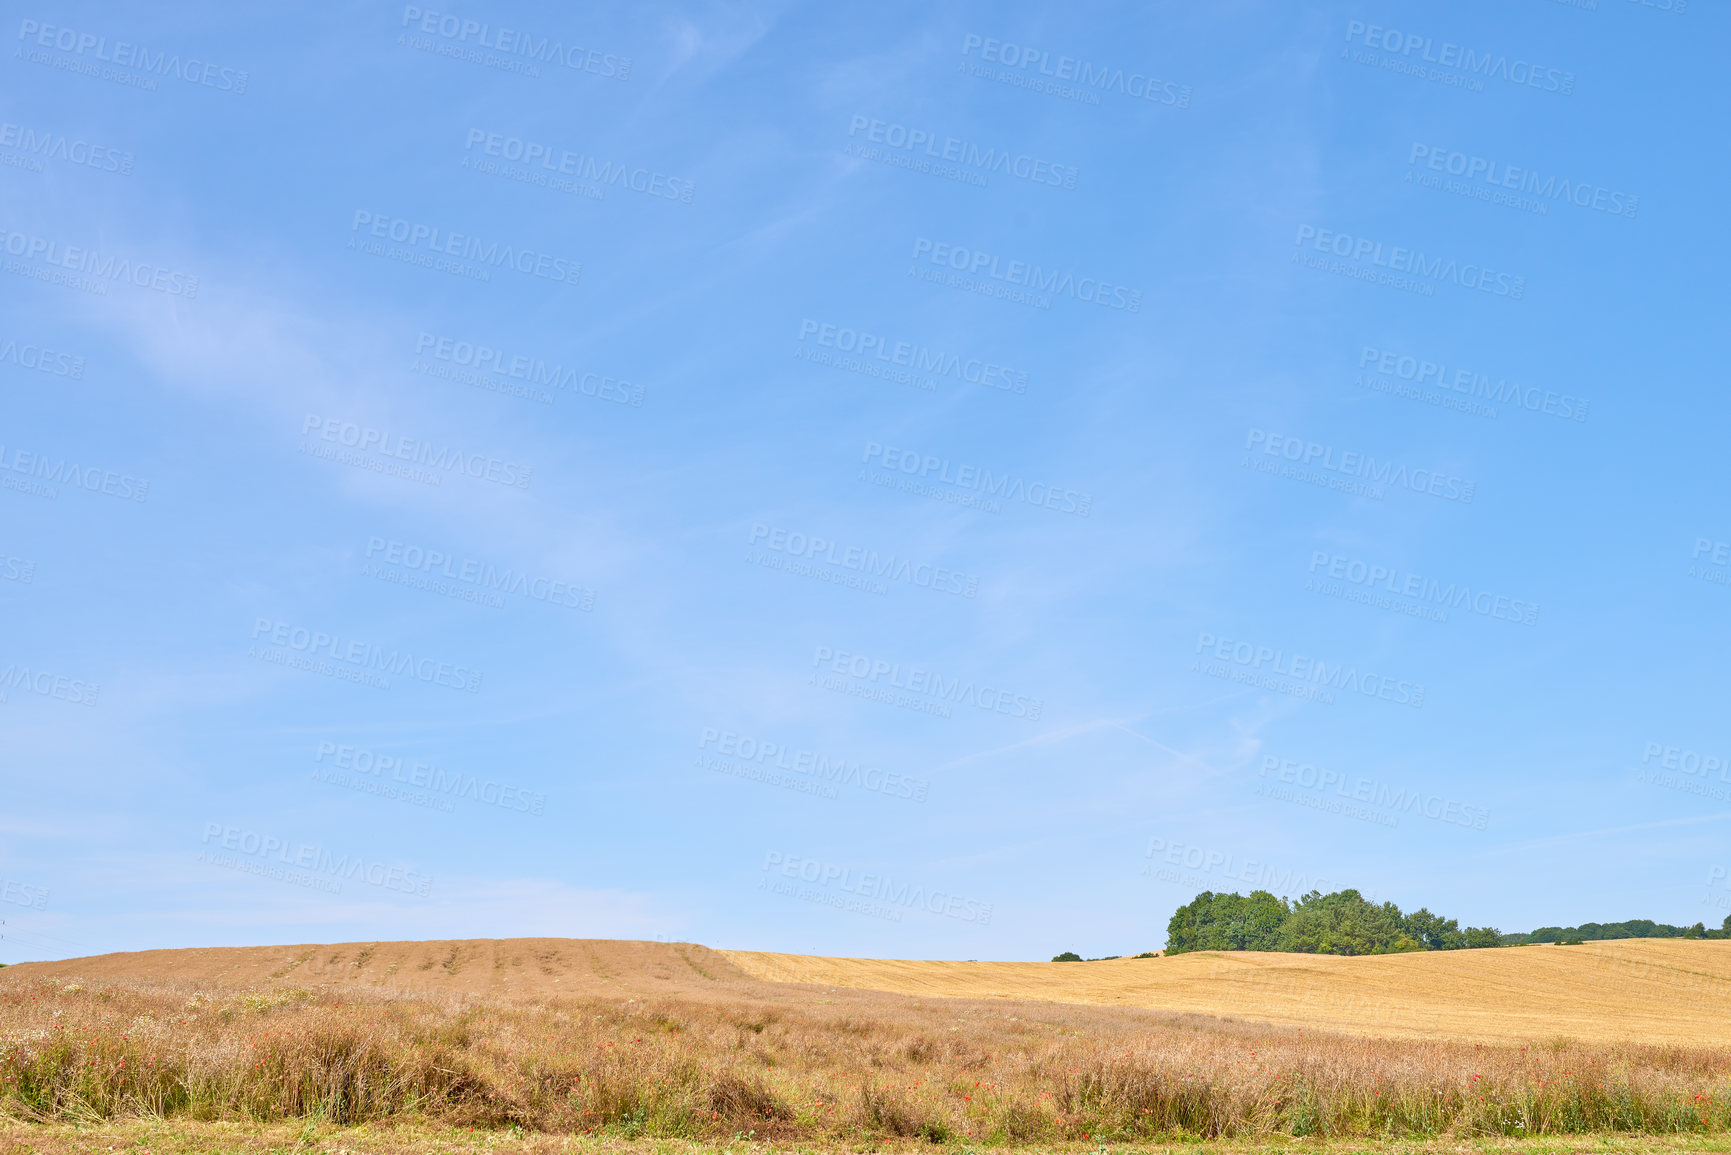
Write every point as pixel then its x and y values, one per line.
pixel 882 480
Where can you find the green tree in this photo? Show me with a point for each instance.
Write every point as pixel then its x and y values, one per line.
pixel 1599 931
pixel 1433 930
pixel 1482 936
pixel 1223 921
pixel 1345 923
pixel 1067 956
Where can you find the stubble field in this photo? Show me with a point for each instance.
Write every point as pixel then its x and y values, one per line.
pixel 587 1044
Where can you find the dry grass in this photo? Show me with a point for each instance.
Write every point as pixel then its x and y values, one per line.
pixel 722 1058
pixel 1635 990
pixel 178 1137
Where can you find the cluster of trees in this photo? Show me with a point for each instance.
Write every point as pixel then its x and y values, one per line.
pixel 1633 928
pixel 1345 922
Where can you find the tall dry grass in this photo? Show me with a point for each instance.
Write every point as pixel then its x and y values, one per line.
pixel 822 1065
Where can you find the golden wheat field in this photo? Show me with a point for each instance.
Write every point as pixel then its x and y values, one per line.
pixel 367 1048
pixel 1635 990
pixel 1672 991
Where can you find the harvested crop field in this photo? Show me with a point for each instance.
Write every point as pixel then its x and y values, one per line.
pixel 1631 990
pixel 535 966
pixel 1670 991
pixel 625 1041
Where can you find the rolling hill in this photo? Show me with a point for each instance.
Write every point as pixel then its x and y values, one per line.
pixel 1632 990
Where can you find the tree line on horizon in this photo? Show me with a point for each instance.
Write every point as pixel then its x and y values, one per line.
pixel 1346 923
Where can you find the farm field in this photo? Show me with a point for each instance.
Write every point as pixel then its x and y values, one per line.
pixel 1672 991
pixel 587 1045
pixel 550 966
pixel 1634 990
